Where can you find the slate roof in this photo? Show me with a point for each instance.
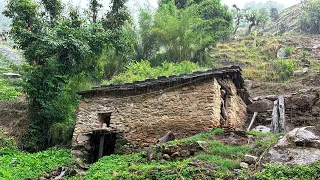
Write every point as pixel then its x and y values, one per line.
pixel 162 82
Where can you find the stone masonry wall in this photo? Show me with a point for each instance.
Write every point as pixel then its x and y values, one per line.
pixel 302 108
pixel 143 119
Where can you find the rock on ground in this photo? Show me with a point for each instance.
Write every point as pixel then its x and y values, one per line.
pixel 301 146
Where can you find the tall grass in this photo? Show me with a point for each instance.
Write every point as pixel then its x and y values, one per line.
pixel 142 70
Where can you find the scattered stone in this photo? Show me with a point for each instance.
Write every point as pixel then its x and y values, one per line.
pixel 306 137
pixel 244 165
pixel 249 159
pixel 166 157
pixel 293 156
pixel 175 155
pixel 202 144
pixel 237 171
pixel 272 97
pixel 261 128
pixel 185 153
pixel 281 53
pixel 301 72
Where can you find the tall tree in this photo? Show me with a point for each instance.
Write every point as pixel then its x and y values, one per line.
pixel 238 16
pixel 117 16
pixel 56 54
pixel 94 7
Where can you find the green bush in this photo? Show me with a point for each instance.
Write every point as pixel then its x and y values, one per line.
pixel 289 50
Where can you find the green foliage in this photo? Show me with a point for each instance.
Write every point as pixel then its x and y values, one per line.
pixel 9 92
pixel 283 70
pixel 289 50
pixel 287 172
pixel 58 49
pixel 184 32
pixel 310 17
pixel 22 165
pixel 255 18
pixel 142 70
pixel 10 89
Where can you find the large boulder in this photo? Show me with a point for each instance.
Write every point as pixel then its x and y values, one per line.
pixel 262 105
pixel 300 146
pixel 305 137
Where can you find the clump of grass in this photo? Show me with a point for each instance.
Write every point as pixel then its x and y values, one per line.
pixel 287 172
pixel 289 50
pixel 142 70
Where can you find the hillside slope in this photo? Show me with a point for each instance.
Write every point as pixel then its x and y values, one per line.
pixel 288 21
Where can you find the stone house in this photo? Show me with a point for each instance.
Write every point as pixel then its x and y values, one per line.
pixel 129 117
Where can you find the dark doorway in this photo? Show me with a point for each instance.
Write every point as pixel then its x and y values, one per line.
pixel 102 143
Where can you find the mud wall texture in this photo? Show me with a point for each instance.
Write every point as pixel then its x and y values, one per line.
pixel 141 120
pixel 302 108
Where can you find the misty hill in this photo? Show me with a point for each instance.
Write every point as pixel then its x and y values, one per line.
pixel 288 21
pixel 4 22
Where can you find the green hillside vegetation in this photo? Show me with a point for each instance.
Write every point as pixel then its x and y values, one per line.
pixel 225 157
pixel 287 23
pixel 10 89
pixel 18 165
pixel 258 58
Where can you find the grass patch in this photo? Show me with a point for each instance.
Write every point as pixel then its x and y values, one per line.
pixel 135 166
pixel 22 165
pixel 143 70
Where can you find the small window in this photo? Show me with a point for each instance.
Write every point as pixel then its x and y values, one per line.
pixel 104 119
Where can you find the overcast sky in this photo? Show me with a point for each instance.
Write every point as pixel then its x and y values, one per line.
pixel 240 3
pixel 133 4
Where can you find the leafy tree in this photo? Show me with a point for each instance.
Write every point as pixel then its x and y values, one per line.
pixel 117 16
pixel 216 22
pixel 255 18
pixel 53 7
pixel 310 17
pixel 55 54
pixel 186 33
pixel 146 47
pixel 122 38
pixel 238 16
pixel 94 7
